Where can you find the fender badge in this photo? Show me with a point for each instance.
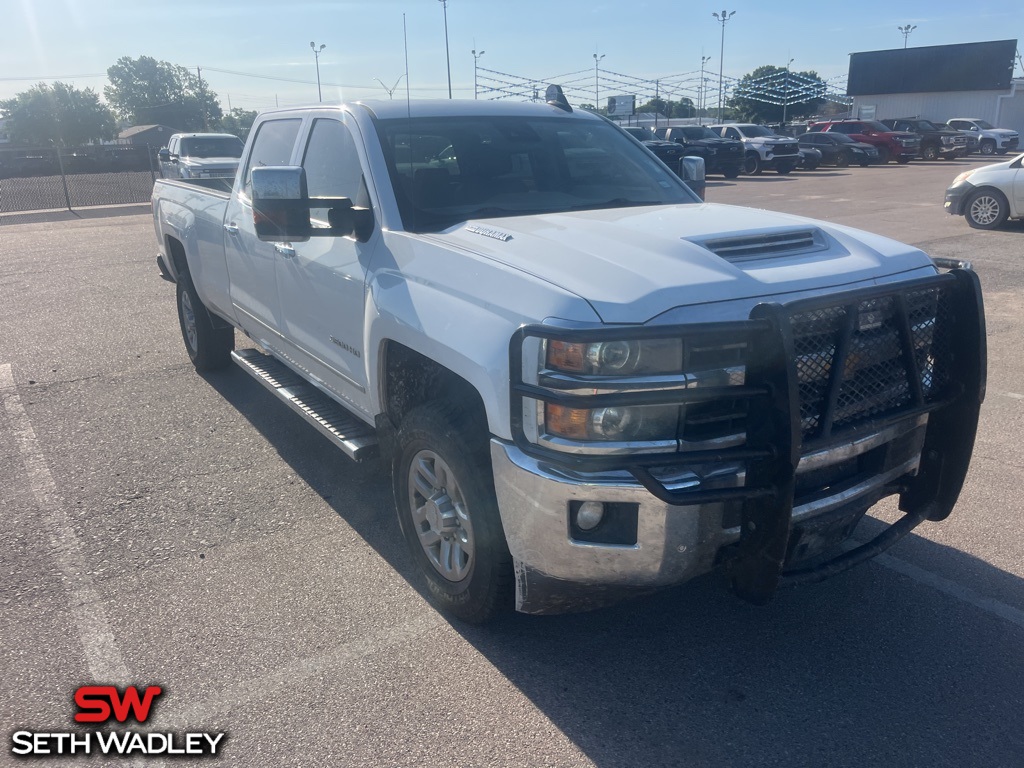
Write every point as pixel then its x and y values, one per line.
pixel 492 233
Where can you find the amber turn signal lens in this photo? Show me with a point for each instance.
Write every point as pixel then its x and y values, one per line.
pixel 566 422
pixel 565 356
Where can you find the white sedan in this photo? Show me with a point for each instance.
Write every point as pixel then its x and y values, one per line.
pixel 989 195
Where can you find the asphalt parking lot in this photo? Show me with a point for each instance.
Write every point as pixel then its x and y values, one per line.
pixel 163 528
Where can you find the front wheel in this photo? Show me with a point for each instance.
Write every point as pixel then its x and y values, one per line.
pixel 448 512
pixel 986 209
pixel 930 153
pixel 752 165
pixel 903 159
pixel 842 159
pixel 208 347
pixel 988 147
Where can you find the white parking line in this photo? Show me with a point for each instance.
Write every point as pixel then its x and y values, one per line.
pixel 952 589
pixel 106 665
pixel 101 651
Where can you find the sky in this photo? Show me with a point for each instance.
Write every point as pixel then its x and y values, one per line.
pixel 256 54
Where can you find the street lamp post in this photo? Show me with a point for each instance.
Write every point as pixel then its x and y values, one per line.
pixel 393 88
pixel 785 94
pixel 447 57
pixel 905 31
pixel 316 54
pixel 700 91
pixel 476 58
pixel 726 15
pixel 597 92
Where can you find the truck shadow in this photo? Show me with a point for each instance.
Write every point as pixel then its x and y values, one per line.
pixel 879 666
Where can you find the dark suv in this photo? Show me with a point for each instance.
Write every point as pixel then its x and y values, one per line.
pixel 936 142
pixel 720 155
pixel 900 146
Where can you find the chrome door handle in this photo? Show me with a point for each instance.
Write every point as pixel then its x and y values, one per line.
pixel 285 250
pixel 231 229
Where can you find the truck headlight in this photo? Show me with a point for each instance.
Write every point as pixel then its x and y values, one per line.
pixel 615 373
pixel 614 424
pixel 616 357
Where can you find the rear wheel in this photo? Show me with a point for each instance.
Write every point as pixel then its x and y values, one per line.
pixel 448 512
pixel 208 347
pixel 986 209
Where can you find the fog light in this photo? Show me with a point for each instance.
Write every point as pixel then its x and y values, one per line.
pixel 589 515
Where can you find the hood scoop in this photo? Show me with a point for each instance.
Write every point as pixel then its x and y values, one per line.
pixel 764 245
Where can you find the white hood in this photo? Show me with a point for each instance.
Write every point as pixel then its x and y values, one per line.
pixel 633 264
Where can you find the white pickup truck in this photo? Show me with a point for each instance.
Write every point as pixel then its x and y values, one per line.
pixel 587 383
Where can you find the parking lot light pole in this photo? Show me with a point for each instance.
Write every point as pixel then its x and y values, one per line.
pixel 597 92
pixel 447 56
pixel 785 93
pixel 316 54
pixel 726 15
pixel 905 31
pixel 701 95
pixel 393 88
pixel 476 58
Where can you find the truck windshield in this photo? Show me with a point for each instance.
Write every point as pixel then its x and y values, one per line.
pixel 755 131
pixel 211 147
pixel 697 132
pixel 446 170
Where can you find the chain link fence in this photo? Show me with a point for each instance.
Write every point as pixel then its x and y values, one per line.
pixel 47 179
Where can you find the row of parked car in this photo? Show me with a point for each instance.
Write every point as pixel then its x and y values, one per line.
pixel 734 148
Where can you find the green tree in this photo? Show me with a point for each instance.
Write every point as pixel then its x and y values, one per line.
pixel 761 95
pixel 57 115
pixel 682 108
pixel 145 91
pixel 239 122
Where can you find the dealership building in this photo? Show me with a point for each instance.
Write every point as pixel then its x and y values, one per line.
pixel 938 83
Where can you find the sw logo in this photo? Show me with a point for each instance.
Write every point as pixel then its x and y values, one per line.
pixel 99 704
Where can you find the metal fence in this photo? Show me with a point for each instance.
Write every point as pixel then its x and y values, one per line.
pixel 34 180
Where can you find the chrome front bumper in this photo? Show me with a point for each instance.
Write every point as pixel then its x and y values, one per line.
pixel 555 572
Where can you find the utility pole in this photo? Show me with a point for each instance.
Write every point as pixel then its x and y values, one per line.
pixel 202 98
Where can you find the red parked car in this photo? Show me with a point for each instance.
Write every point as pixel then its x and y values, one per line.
pixel 900 146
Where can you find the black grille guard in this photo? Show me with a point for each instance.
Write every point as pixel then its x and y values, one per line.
pixel 950 391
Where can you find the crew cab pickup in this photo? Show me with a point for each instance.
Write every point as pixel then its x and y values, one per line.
pixel 585 382
pixel 936 142
pixel 724 156
pixel 200 156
